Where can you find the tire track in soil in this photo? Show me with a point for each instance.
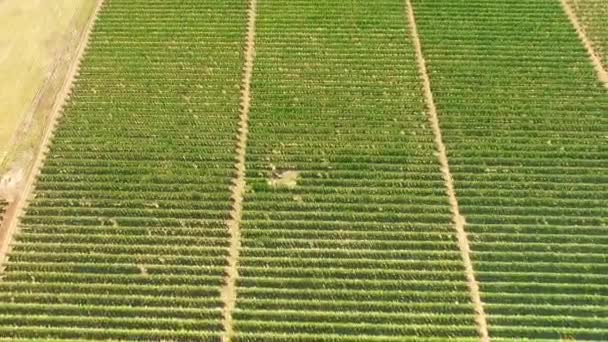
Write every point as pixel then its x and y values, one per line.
pixel 228 292
pixel 457 218
pixel 16 208
pixel 595 57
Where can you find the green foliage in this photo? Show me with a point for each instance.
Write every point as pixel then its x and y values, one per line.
pixel 362 247
pixel 524 120
pixel 125 238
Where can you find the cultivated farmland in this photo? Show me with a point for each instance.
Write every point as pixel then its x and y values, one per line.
pixel 296 170
pixel 359 243
pixel 593 14
pixel 524 120
pixel 125 237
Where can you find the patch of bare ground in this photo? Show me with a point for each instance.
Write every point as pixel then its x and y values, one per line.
pixel 228 292
pixel 21 194
pixel 458 220
pixel 283 179
pixel 595 57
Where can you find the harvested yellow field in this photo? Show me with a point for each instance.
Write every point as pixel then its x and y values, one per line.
pixel 37 43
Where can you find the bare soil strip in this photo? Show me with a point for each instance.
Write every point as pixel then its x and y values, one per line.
pixel 238 187
pixel 10 221
pixel 5 230
pixel 596 60
pixel 458 220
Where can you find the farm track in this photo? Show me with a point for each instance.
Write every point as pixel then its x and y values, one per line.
pixel 9 221
pixel 526 204
pixel 602 73
pixel 364 135
pixel 457 219
pixel 591 15
pixel 229 293
pixel 78 250
pixel 339 248
pixel 7 209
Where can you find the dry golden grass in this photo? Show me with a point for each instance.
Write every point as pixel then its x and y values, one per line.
pixel 37 43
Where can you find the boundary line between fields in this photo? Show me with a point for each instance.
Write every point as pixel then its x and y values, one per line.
pixel 596 60
pixel 457 218
pixel 229 293
pixel 16 209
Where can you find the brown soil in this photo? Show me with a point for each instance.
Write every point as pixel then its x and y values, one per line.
pixel 596 60
pixel 5 231
pixel 228 293
pixel 3 207
pixel 10 220
pixel 458 220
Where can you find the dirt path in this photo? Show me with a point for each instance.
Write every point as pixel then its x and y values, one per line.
pixel 596 60
pixel 238 188
pixel 10 221
pixel 4 230
pixel 458 220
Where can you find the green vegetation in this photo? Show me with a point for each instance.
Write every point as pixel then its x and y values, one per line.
pixel 125 238
pixel 593 14
pixel 524 120
pixel 361 247
pixel 346 232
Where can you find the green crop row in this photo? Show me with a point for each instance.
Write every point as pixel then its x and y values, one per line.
pixel 125 237
pixel 522 115
pixel 365 227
